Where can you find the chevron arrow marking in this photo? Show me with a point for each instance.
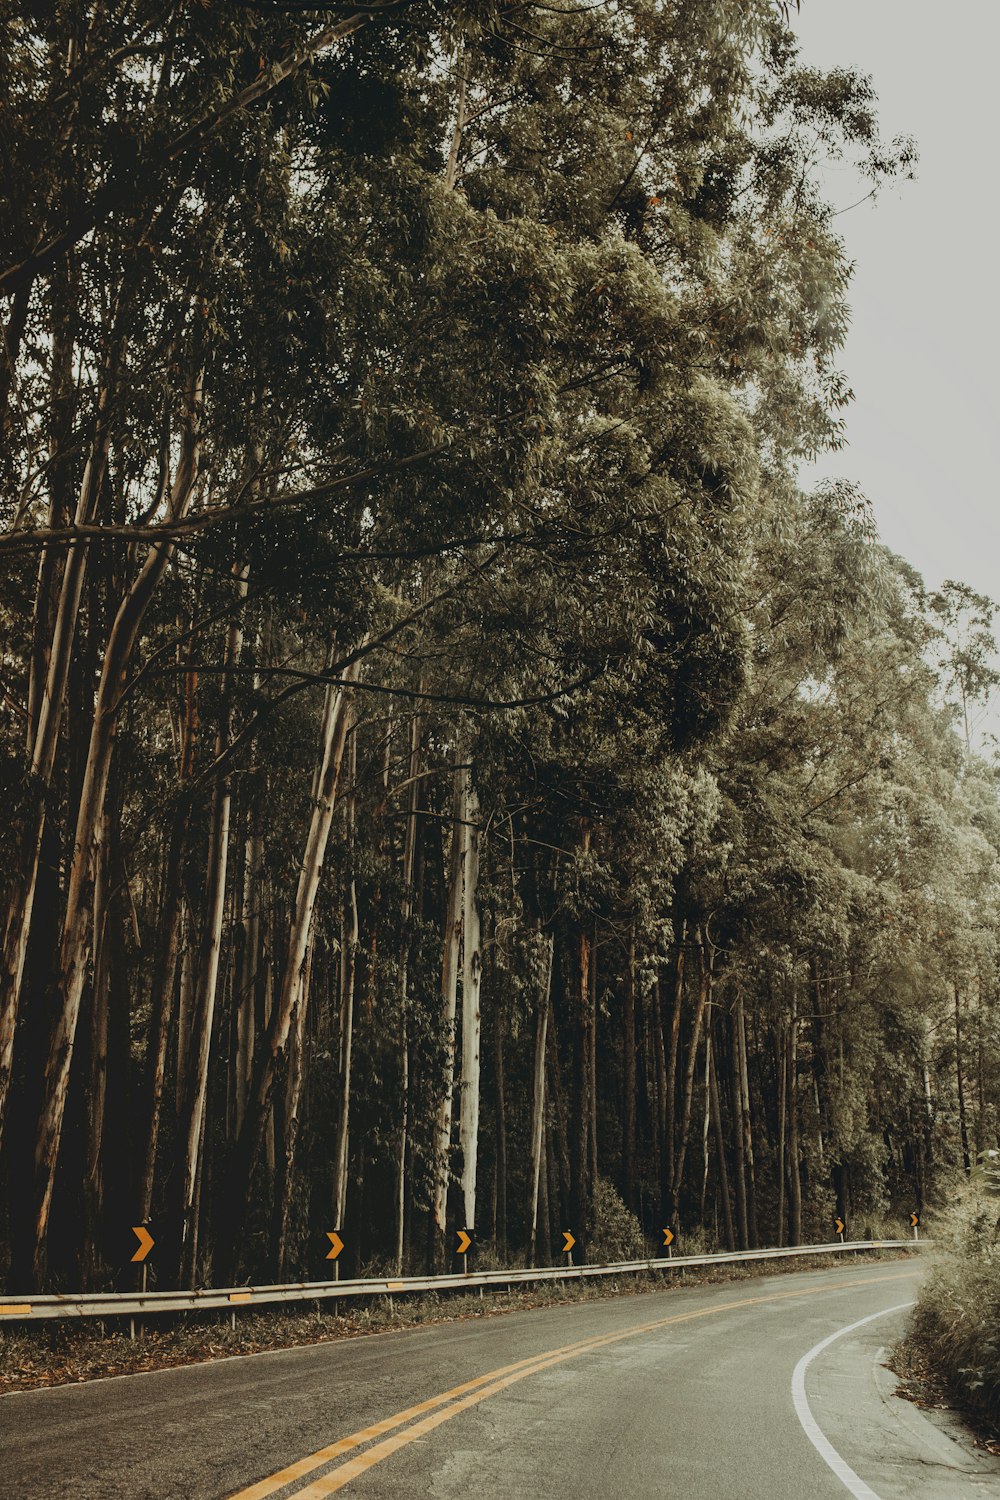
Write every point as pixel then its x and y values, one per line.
pixel 464 1241
pixel 336 1244
pixel 145 1239
pixel 568 1242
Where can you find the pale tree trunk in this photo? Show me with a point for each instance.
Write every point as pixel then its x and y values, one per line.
pixel 80 919
pixel 185 1003
pixel 195 1064
pixel 706 1120
pixel 451 959
pixel 46 715
pixel 538 1101
pixel 747 1124
pixel 290 1117
pixel 592 1064
pixel 98 1083
pixel 406 913
pixel 165 978
pixel 670 1084
pixel 198 1056
pixel 660 1072
pixel 704 996
pixel 348 973
pixel 794 1180
pixel 722 1167
pixel 247 966
pixel 739 1139
pixel 472 967
pixel 271 1066
pixel 628 1077
pixel 782 1129
pixel 963 1124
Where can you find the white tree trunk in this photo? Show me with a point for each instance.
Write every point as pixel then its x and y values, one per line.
pixel 472 967
pixel 450 961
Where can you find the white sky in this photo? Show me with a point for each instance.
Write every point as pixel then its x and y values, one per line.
pixel 923 356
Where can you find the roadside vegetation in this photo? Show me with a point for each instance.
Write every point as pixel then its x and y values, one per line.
pixel 452 773
pixel 953 1339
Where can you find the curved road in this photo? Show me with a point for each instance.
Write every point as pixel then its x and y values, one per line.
pixel 766 1389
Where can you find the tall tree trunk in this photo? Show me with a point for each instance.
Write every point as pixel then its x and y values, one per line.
pixel 670 1083
pixel 739 1138
pixel 628 1077
pixel 747 1126
pixel 659 1058
pixel 406 914
pixel 196 1062
pixel 782 1051
pixel 706 1119
pixel 704 996
pixel 165 975
pixel 720 1144
pixel 538 1104
pixel 45 715
pixel 285 1176
pixel 247 967
pixel 581 1015
pixel 272 1062
pixel 81 918
pixel 348 973
pixel 963 1123
pixel 500 1174
pixel 472 968
pixel 450 963
pixel 794 1179
pixel 592 1064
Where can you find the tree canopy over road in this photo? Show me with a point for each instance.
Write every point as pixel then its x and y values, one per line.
pixel 454 774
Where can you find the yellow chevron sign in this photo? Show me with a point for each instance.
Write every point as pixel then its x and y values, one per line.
pixel 336 1244
pixel 464 1241
pixel 668 1237
pixel 145 1239
pixel 568 1242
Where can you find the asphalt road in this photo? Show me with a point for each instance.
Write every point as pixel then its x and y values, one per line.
pixel 706 1393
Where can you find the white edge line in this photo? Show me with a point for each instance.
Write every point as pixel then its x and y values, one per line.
pixel 853 1482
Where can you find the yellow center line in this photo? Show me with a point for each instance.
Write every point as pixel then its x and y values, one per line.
pixel 462 1397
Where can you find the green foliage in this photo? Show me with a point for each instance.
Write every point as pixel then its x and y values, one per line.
pixel 617 1233
pixel 957 1317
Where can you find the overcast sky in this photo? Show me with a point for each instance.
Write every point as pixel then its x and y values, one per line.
pixel 923 356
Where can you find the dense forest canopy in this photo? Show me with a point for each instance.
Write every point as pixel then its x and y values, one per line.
pixel 455 776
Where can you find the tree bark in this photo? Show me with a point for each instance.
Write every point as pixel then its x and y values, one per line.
pixel 538 1103
pixel 794 1179
pixel 272 1062
pixel 704 996
pixel 472 968
pixel 628 1077
pixel 720 1145
pixel 963 1123
pixel 450 962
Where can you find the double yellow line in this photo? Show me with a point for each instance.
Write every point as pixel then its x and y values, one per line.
pixel 417 1421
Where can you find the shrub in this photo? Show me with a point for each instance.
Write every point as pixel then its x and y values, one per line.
pixel 617 1232
pixel 956 1322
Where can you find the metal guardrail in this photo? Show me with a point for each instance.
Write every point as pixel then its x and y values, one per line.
pixel 145 1304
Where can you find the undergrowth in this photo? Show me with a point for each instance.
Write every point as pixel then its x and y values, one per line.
pixel 955 1328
